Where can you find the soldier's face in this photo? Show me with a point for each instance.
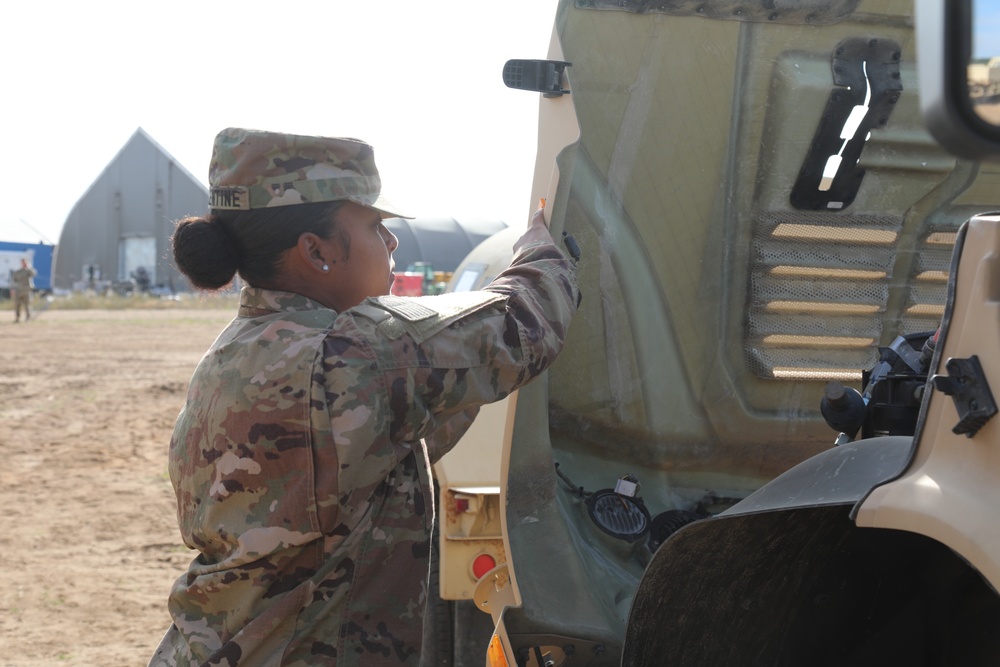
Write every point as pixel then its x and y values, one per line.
pixel 363 256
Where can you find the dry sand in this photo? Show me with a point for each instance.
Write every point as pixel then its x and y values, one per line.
pixel 88 540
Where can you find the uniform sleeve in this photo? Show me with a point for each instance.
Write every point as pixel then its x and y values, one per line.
pixel 481 356
pixel 444 439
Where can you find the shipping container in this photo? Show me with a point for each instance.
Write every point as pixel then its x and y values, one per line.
pixel 39 255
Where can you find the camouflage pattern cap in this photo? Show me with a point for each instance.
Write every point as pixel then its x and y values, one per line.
pixel 254 169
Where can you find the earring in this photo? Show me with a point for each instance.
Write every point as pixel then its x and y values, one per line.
pixel 326 267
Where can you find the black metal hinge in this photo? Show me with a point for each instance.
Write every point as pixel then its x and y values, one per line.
pixel 966 384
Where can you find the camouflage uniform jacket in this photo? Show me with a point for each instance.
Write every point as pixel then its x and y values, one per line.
pixel 301 475
pixel 21 280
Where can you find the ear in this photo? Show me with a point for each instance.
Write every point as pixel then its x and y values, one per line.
pixel 310 251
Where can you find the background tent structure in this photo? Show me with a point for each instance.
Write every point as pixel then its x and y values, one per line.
pixel 442 242
pixel 125 219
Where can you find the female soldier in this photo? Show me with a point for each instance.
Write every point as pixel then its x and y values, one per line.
pixel 299 460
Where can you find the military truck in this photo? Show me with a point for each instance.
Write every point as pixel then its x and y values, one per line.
pixel 767 440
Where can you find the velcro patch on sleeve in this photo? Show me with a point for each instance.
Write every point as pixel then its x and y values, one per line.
pixel 424 316
pixel 409 309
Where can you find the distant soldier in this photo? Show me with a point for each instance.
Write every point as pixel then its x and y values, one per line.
pixel 22 281
pixel 141 278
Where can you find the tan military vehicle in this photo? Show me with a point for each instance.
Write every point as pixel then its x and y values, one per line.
pixel 768 440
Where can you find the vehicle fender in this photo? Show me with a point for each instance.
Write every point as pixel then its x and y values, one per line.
pixel 806 586
pixel 838 476
pixel 788 556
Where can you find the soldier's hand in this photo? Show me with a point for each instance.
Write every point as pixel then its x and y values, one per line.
pixel 537 232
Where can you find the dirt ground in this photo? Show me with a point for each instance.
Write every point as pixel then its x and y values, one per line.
pixel 88 540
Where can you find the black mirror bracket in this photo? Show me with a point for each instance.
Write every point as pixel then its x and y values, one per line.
pixel 540 76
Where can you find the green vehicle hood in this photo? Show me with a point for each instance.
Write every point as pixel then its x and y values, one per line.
pixel 729 268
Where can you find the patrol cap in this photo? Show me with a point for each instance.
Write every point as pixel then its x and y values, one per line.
pixel 255 169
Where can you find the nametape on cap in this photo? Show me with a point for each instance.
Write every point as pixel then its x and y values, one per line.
pixel 230 198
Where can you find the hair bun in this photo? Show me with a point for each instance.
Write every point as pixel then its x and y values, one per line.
pixel 204 252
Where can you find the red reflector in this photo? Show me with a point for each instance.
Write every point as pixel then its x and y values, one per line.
pixel 483 564
pixel 462 504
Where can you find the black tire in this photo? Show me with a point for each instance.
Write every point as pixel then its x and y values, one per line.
pixel 472 632
pixel 438 620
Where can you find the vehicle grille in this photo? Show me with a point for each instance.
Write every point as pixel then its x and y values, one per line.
pixel 823 295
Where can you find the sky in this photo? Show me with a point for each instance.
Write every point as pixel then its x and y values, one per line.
pixel 986 31
pixel 420 81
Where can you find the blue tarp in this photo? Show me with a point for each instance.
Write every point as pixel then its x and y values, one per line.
pixel 39 254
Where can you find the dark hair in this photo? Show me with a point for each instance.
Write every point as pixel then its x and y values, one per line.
pixel 210 250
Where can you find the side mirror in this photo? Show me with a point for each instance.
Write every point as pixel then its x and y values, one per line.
pixel 959 69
